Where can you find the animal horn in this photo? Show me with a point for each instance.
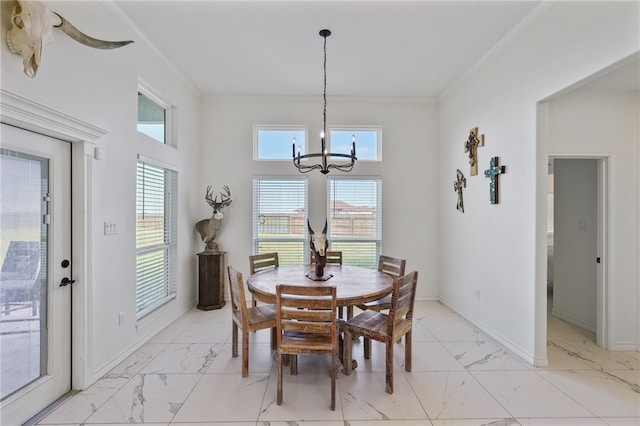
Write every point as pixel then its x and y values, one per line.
pixel 309 226
pixel 81 37
pixel 324 231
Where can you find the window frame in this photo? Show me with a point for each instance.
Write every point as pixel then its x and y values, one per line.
pixel 355 129
pixel 170 234
pixel 373 262
pixel 257 128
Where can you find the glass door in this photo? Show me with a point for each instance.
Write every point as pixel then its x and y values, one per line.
pixel 35 249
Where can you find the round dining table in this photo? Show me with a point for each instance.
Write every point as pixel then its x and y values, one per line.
pixel 354 284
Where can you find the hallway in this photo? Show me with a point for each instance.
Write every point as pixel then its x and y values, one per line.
pixel 186 376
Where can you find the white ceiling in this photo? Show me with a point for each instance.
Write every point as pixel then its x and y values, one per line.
pixel 378 48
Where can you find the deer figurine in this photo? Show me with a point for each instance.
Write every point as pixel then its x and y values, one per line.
pixel 208 228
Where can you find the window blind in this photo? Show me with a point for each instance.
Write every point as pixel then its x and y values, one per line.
pixel 354 216
pixel 156 225
pixel 280 218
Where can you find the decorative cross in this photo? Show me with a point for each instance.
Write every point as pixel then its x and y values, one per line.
pixel 458 184
pixel 471 146
pixel 492 173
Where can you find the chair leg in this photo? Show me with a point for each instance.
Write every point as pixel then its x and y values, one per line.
pixel 274 338
pixel 347 353
pixel 388 368
pixel 293 359
pixel 245 353
pixel 279 387
pixel 334 370
pixel 407 351
pixel 234 339
pixel 367 348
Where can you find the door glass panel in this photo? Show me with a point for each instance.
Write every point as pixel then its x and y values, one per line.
pixel 24 182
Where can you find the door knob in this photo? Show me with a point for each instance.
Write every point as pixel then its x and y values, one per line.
pixel 66 281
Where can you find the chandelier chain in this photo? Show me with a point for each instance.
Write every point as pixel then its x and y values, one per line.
pixel 324 128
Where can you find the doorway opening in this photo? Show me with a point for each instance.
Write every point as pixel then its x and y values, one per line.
pixel 576 246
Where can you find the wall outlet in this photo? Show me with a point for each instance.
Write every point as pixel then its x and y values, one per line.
pixel 477 294
pixel 120 318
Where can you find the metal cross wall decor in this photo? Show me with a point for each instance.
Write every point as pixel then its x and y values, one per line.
pixel 471 146
pixel 458 184
pixel 492 173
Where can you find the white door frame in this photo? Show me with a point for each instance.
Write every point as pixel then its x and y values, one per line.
pixel 603 231
pixel 24 113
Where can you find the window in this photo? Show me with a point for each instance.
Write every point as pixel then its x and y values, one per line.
pixel 280 218
pixel 156 239
pixel 354 212
pixel 276 142
pixel 368 146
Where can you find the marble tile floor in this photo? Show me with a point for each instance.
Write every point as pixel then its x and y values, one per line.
pixel 186 376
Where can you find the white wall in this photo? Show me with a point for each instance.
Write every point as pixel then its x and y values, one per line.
pixel 500 250
pixel 409 169
pixel 100 87
pixel 596 123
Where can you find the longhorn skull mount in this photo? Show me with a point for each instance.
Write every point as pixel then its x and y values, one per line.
pixel 32 27
pixel 318 243
pixel 209 228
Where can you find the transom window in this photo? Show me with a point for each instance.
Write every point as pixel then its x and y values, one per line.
pixel 154 116
pixel 276 142
pixel 368 146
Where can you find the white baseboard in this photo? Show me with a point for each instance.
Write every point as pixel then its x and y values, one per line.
pixel 513 347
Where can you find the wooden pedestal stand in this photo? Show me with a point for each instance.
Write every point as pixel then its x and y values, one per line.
pixel 211 280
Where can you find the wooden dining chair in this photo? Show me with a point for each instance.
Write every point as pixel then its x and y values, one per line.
pixel 306 325
pixel 247 318
pixel 262 262
pixel 391 266
pixel 386 328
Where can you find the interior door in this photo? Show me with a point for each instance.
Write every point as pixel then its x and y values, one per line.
pixel 35 254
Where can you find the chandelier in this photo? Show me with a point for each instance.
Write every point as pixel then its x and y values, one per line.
pixel 324 166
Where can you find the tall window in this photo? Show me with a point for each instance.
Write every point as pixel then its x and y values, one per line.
pixel 280 218
pixel 156 239
pixel 354 212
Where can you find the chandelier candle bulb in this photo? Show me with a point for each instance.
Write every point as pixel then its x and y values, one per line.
pixel 294 148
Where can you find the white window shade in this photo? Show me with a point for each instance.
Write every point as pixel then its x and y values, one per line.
pixel 354 214
pixel 156 240
pixel 280 218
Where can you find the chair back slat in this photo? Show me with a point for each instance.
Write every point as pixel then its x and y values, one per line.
pixel 262 262
pixel 391 266
pixel 314 328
